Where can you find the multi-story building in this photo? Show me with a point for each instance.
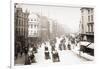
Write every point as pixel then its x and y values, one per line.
pixel 87 24
pixel 56 29
pixel 21 24
pixel 33 28
pixel 44 27
pixel 53 28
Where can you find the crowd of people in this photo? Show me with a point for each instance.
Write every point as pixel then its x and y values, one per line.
pixel 30 50
pixel 54 49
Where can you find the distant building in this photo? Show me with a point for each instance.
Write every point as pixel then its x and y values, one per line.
pixel 87 24
pixel 56 29
pixel 21 24
pixel 45 28
pixel 53 28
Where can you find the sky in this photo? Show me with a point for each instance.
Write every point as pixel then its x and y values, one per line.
pixel 68 17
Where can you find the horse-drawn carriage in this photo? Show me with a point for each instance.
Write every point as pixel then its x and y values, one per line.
pixel 55 56
pixel 62 45
pixel 47 54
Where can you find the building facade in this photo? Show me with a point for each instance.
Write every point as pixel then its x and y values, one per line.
pixel 45 28
pixel 87 24
pixel 33 28
pixel 53 29
pixel 56 29
pixel 20 25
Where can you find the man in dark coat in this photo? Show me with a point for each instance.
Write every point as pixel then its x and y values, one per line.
pixel 69 46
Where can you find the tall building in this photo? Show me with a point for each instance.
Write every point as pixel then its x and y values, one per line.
pixel 33 28
pixel 45 30
pixel 87 24
pixel 21 24
pixel 53 28
pixel 56 29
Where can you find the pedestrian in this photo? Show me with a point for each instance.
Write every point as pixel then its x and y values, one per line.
pixel 60 46
pixel 27 60
pixel 34 49
pixel 53 46
pixel 21 51
pixel 16 54
pixel 33 58
pixel 26 50
pixel 69 46
pixel 46 48
pixel 64 46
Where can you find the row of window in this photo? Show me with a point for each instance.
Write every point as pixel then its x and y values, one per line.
pixel 20 32
pixel 33 33
pixel 33 19
pixel 90 18
pixel 89 11
pixel 33 26
pixel 21 22
pixel 90 28
pixel 20 29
